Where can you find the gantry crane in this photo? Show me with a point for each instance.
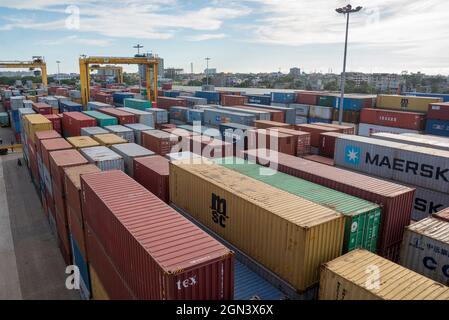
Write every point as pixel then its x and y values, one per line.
pixel 36 63
pixel 150 64
pixel 117 69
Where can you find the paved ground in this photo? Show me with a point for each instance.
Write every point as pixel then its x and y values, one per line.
pixel 31 266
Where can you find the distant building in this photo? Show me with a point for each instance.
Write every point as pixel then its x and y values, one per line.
pixel 211 71
pixel 16 74
pixel 296 72
pixel 160 67
pixel 173 73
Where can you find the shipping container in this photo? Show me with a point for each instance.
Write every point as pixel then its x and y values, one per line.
pixel 289 112
pixel 443 96
pixel 320 159
pixel 275 115
pixel 259 99
pixel 405 103
pixel 160 142
pixel 303 140
pixel 421 140
pixel 152 173
pixel 119 97
pixel 215 117
pixel 210 147
pixel 104 158
pixel 301 120
pixel 103 97
pixel 91 131
pixel 142 117
pixel 327 143
pixel 392 118
pixel 212 97
pixel 108 139
pixel 42 108
pixel 44 135
pixel 167 102
pixel 160 115
pixel 137 128
pixel 183 155
pixel 81 263
pixel 122 131
pixel 282 97
pixel 266 124
pixel 354 102
pixel 50 145
pixel 321 112
pixel 56 121
pixel 442 215
pixel 184 261
pixel 396 200
pixel 16 102
pixel 129 152
pixel 437 127
pixel 233 100
pixel 315 131
pixel 306 97
pixel 193 101
pixel 256 218
pixel 367 130
pixel 96 105
pixel 420 166
pixel 349 116
pixel 428 202
pixel 138 104
pixel 425 249
pixel 300 109
pixel 33 123
pixel 123 117
pixel 194 115
pixel 326 100
pixel 362 275
pixel 72 122
pixel 69 106
pixel 172 93
pixel 235 133
pixel 102 118
pixel 82 142
pixel 178 115
pixel 438 111
pixel 260 115
pixel 318 120
pixel 362 218
pixel 346 129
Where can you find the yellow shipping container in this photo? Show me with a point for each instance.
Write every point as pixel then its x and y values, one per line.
pixel 33 123
pixel 32 98
pixel 109 139
pixel 362 275
pixel 98 291
pixel 287 234
pixel 82 142
pixel 405 103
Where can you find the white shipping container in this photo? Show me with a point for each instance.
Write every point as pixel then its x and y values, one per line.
pixel 321 112
pixel 27 103
pixel 52 101
pixel 301 109
pixel 138 128
pixel 427 136
pixel 17 102
pixel 418 166
pixel 104 158
pixel 183 155
pixel 129 152
pixel 301 120
pixel 366 129
pixel 95 105
pixel 143 117
pixel 122 131
pixel 91 131
pixel 422 141
pixel 425 249
pixel 159 115
pixel 427 202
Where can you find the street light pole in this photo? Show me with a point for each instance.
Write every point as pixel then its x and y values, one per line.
pixel 138 47
pixel 207 70
pixel 59 76
pixel 347 11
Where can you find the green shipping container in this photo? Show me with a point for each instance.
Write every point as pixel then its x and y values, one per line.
pixel 103 120
pixel 4 119
pixel 138 104
pixel 326 101
pixel 362 217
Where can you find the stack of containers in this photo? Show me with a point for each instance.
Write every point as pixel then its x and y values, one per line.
pixel 58 161
pixel 236 134
pixel 108 139
pixel 320 114
pixel 53 102
pixel 167 102
pixel 172 93
pixel 283 98
pixel 259 99
pixel 75 216
pixel 16 102
pixel 193 101
pixel 69 106
pixel 195 115
pixel 273 140
pixel 392 121
pixel 158 141
pixel 138 128
pixel 104 158
pixel 275 115
pixel 123 117
pixel 119 98
pixel 102 118
pixel 201 268
pixel 26 104
pixel 438 119
pixel 143 117
pixel 82 142
pixel 352 106
pixel 315 131
pixel 443 96
pixel 405 103
pixel 424 168
pixel 95 105
pixel 42 108
pixel 243 211
pixel 91 131
pixel 138 104
pixel 56 122
pixel 396 200
pixel 233 100
pixel 122 131
pixel 103 97
pixel 152 173
pixel 265 124
pixel 259 114
pixel 130 152
pixel 289 112
pixel 72 122
pixel 212 97
pixel 160 116
pixel 301 139
pixel 210 147
pixel 215 117
pixel 17 116
pixel 178 115
pixel 301 112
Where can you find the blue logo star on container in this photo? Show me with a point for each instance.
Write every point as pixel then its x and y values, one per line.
pixel 352 155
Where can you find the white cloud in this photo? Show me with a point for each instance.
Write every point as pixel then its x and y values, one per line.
pixel 207 36
pixel 77 40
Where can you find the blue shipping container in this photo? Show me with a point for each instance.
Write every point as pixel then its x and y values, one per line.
pixel 445 97
pixel 69 106
pixel 283 97
pixel 259 99
pixel 119 97
pixel 313 120
pixel 172 93
pixel 179 113
pixel 352 104
pixel 437 127
pixel 82 266
pixel 212 97
pixel 195 115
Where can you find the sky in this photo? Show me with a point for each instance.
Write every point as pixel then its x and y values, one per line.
pixel 238 36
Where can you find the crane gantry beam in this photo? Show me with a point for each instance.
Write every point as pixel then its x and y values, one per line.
pixel 36 63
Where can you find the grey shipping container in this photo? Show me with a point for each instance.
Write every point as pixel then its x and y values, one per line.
pixel 427 202
pixel 95 105
pixel 178 114
pixel 301 109
pixel 91 131
pixel 215 117
pixel 122 131
pixel 321 112
pixel 425 249
pixel 290 113
pixel 129 152
pixel 418 166
pixel 193 101
pixel 138 128
pixel 104 158
pixel 301 120
pixel 260 115
pixel 143 117
pixel 419 140
pixel 159 115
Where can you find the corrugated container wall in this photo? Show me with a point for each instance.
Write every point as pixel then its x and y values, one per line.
pixel 438 111
pixel 405 103
pixel 152 172
pixel 389 118
pixel 104 158
pixel 129 152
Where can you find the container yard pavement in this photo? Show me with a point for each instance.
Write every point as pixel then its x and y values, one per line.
pixel 31 266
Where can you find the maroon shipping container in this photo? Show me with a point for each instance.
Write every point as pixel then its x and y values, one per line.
pixel 396 200
pixel 167 102
pixel 442 215
pixel 160 142
pixel 265 124
pixel 275 115
pixel 167 86
pixel 327 143
pixel 44 135
pixel 391 118
pixel 122 116
pixel 152 172
pixel 42 108
pixel 315 132
pixel 72 122
pixel 438 111
pixel 50 145
pixel 62 92
pixel 283 142
pixel 233 100
pixel 104 97
pixel 167 126
pixel 340 128
pixel 60 160
pixel 157 252
pixel 307 97
pixel 210 147
pixel 303 140
pixel 320 159
pixel 56 121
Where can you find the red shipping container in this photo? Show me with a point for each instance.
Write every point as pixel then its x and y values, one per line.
pixel 104 97
pixel 152 172
pixel 275 115
pixel 303 140
pixel 307 97
pixel 51 145
pixel 44 135
pixel 180 133
pixel 442 215
pixel 327 143
pixel 320 159
pixel 167 126
pixel 42 108
pixel 167 102
pixel 76 229
pixel 396 200
pixel 233 100
pixel 210 147
pixel 340 128
pixel 269 139
pixel 315 132
pixel 122 116
pixel 60 160
pixel 62 92
pixel 7 105
pixel 63 238
pixel 167 257
pixel 167 86
pixel 265 124
pixel 56 122
pixel 160 142
pixel 391 118
pixel 72 122
pixel 438 111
